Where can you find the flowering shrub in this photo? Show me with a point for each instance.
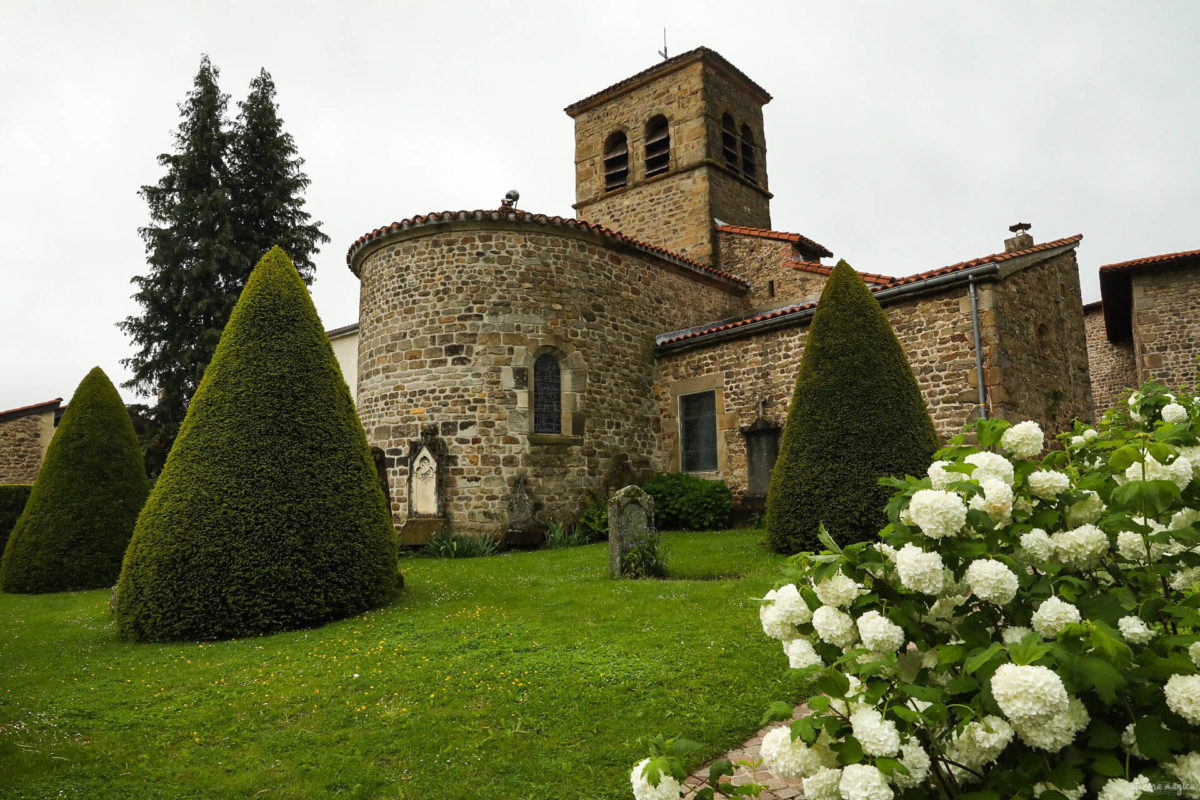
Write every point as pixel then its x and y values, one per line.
pixel 1025 627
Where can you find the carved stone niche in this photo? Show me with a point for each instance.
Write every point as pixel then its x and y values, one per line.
pixel 762 448
pixel 426 515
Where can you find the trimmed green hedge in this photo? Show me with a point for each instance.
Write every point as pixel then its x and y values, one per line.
pixel 13 497
pixel 268 513
pixel 689 502
pixel 856 415
pixel 84 503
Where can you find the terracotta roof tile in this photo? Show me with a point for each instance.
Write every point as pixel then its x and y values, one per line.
pixel 23 410
pixel 783 236
pixel 516 215
pixel 891 283
pixel 822 269
pixel 995 258
pixel 1166 258
pixel 666 66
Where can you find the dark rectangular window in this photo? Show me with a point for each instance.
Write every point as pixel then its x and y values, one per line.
pixel 698 432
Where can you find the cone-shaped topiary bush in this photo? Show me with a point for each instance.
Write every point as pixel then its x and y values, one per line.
pixel 81 511
pixel 268 514
pixel 856 415
pixel 13 497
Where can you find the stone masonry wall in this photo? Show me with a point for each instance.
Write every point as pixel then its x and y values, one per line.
pixel 1166 324
pixel 23 443
pixel 934 330
pixel 673 210
pixel 1110 364
pixel 760 260
pixel 1039 365
pixel 451 318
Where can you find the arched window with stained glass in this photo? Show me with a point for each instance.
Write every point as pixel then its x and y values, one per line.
pixel 547 395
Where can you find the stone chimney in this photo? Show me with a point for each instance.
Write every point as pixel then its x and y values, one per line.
pixel 1021 239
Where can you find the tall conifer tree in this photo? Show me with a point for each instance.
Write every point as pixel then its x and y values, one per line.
pixel 228 195
pixel 268 184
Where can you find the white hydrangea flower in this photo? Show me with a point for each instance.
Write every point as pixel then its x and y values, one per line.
pixel 839 590
pixel 990 465
pixel 937 513
pixel 992 581
pixel 920 571
pixel 1183 696
pixel 1178 472
pixel 1080 548
pixel 1131 546
pixel 1174 413
pixel 916 760
pixel 835 627
pixel 791 758
pixel 1024 440
pixel 1055 734
pixel 878 736
pixel 1036 546
pixel 1129 740
pixel 886 550
pixel 1194 653
pixel 1184 518
pixel 879 633
pixel 1089 434
pixel 1013 634
pixel 1086 511
pixel 823 785
pixel 782 610
pixel 800 654
pixel 667 789
pixel 847 708
pixel 1048 483
pixel 939 478
pixel 1119 789
pixel 864 782
pixel 1029 693
pixel 1192 454
pixel 1185 579
pixel 1134 630
pixel 1077 441
pixel 1052 616
pixel 996 500
pixel 1072 793
pixel 1186 769
pixel 980 742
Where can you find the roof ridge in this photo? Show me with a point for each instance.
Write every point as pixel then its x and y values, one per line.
pixel 517 215
pixel 663 66
pixel 1137 262
pixel 825 269
pixel 56 401
pixel 767 233
pixel 993 258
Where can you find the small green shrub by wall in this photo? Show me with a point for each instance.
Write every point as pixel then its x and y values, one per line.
pixel 13 497
pixel 856 415
pixel 84 503
pixel 268 513
pixel 689 502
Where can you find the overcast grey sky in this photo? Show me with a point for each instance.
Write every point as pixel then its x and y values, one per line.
pixel 903 136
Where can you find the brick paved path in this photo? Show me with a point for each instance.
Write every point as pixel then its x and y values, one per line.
pixel 777 788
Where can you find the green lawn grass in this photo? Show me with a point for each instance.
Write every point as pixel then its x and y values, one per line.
pixel 526 675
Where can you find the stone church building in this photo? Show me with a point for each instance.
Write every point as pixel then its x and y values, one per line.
pixel 507 360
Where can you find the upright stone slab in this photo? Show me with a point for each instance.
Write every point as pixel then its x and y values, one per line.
pixel 523 528
pixel 426 513
pixel 630 514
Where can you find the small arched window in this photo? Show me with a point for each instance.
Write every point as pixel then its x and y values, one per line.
pixel 616 161
pixel 729 142
pixel 658 146
pixel 749 157
pixel 547 395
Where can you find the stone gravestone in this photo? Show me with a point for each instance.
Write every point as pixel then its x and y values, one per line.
pixel 523 529
pixel 630 514
pixel 427 461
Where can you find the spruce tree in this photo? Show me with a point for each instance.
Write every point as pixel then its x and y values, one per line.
pixel 856 415
pixel 194 263
pixel 227 197
pixel 80 514
pixel 268 514
pixel 268 184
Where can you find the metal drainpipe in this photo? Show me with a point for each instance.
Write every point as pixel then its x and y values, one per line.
pixel 978 348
